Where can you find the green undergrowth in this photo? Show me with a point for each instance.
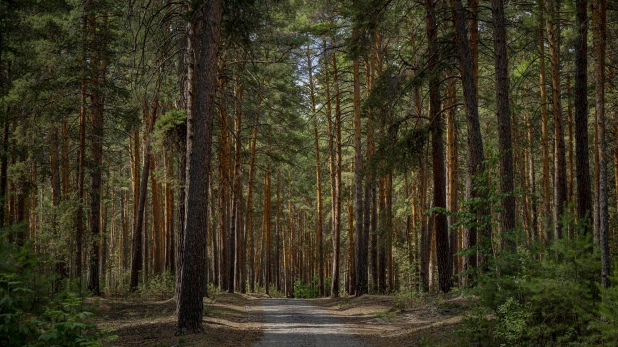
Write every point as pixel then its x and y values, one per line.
pixel 31 314
pixel 543 296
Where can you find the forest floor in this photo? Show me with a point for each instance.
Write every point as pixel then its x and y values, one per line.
pixel 242 320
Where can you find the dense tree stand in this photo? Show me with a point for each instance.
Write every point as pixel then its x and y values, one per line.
pixel 355 151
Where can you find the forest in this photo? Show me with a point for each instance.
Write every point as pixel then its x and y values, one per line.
pixel 199 168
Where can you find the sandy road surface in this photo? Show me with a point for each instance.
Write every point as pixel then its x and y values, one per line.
pixel 295 322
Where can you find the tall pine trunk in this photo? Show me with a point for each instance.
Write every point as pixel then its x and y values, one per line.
pixel 504 125
pixel 560 193
pixel 199 144
pixel 545 213
pixel 476 154
pixel 437 150
pixel 599 20
pixel 584 197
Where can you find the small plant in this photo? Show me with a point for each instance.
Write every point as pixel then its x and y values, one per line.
pixel 406 299
pixel 158 287
pixel 387 315
pixel 342 305
pixel 309 290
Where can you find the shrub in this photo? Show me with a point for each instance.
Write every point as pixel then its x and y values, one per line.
pixel 524 301
pixel 29 316
pixel 158 286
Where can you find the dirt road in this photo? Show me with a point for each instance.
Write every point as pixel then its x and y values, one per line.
pixel 295 322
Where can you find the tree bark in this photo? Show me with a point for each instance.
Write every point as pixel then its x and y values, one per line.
pixel 336 237
pixel 361 242
pixel 81 157
pixel 318 180
pixel 544 125
pixel 453 167
pixel 199 144
pixel 584 196
pixel 437 149
pixel 136 245
pixel 504 125
pixel 249 215
pixel 560 193
pixel 476 153
pixel 599 19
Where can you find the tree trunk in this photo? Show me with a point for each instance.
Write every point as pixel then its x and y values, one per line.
pixel 249 215
pixel 318 180
pixel 81 159
pixel 532 182
pixel 544 125
pixel 560 198
pixel 97 80
pixel 334 290
pixel 504 125
pixel 584 196
pixel 599 20
pixel 476 153
pixel 453 167
pixel 199 144
pixel 137 256
pixel 437 145
pixel 361 242
pixel 235 231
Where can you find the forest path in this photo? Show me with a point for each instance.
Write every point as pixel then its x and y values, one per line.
pixel 296 322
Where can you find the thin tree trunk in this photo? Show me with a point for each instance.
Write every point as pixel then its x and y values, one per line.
pixel 81 159
pixel 318 181
pixel 544 125
pixel 266 232
pixel 437 144
pixel 584 196
pixel 235 232
pixel 249 232
pixel 560 198
pixel 334 292
pixel 532 182
pixel 361 241
pixel 453 167
pixel 136 245
pixel 599 19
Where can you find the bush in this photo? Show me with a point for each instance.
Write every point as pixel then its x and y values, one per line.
pixel 304 290
pixel 525 302
pixel 310 290
pixel 28 316
pixel 158 286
